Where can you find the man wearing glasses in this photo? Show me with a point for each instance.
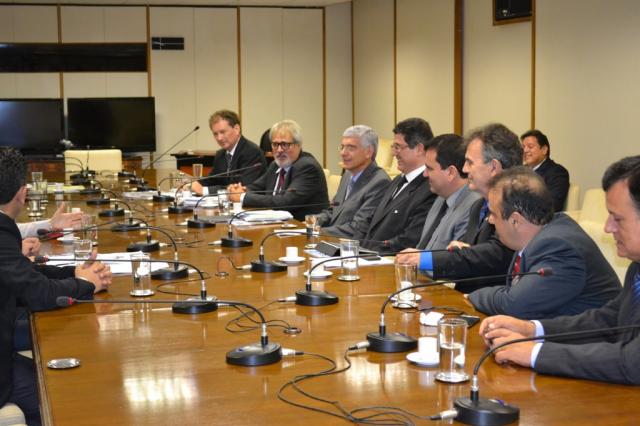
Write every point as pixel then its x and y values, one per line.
pixel 398 219
pixel 293 179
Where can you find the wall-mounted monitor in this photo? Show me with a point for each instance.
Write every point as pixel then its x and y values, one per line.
pixel 34 126
pixel 128 124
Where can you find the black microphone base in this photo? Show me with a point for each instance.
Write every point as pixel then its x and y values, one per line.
pixel 111 213
pixel 391 342
pixel 200 224
pixel 136 180
pixel 235 242
pixel 125 174
pixel 125 227
pixel 89 191
pixel 98 202
pixel 195 306
pixel 255 355
pixel 485 412
pixel 142 188
pixel 79 181
pixel 170 273
pixel 179 210
pixel 163 199
pixel 267 267
pixel 147 247
pixel 315 298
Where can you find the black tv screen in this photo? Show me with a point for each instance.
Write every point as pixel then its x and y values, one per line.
pixel 34 126
pixel 128 124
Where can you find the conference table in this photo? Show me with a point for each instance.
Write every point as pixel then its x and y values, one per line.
pixel 143 364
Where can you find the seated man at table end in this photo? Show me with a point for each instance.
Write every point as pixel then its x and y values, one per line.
pixel 294 181
pixel 608 357
pixel 521 209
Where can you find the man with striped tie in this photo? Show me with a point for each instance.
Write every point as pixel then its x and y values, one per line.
pixel 609 357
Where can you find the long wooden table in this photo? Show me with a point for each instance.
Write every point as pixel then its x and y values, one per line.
pixel 143 364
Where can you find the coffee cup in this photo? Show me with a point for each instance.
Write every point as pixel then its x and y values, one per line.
pixel 292 253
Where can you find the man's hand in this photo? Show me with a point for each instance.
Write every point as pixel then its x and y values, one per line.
pixel 196 187
pixel 412 258
pixel 97 273
pixel 501 326
pixel 235 192
pixel 62 220
pixel 457 245
pixel 517 353
pixel 30 246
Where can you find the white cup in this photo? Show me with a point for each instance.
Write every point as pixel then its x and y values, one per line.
pixel 292 252
pixel 319 270
pixel 76 210
pixel 428 348
pixel 237 208
pixel 67 234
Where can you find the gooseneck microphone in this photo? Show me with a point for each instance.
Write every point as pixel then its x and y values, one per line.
pixel 102 200
pixel 149 245
pixel 142 183
pixel 400 342
pixel 489 412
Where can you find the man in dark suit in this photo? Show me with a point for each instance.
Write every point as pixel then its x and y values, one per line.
pixel 293 179
pixel 521 211
pixel 236 152
pixel 398 218
pixel 536 155
pixel 490 150
pixel 35 287
pixel 608 357
pixel 361 187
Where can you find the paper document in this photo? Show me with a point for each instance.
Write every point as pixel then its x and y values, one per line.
pixel 116 266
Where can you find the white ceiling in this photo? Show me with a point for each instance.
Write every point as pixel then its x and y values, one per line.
pixel 299 3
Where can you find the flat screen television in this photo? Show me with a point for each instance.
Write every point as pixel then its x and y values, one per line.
pixel 34 126
pixel 128 124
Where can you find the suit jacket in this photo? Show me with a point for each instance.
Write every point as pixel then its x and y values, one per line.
pixel 351 216
pixel 609 358
pixel 21 282
pixel 246 154
pixel 486 256
pixel 304 184
pixel 453 224
pixel 556 178
pixel 582 278
pixel 397 222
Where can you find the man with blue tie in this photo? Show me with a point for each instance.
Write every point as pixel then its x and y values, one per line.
pixel 610 357
pixel 361 187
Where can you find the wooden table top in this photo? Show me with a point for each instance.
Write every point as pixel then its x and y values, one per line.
pixel 143 364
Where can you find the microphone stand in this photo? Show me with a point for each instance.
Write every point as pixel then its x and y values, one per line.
pixel 149 245
pixel 400 342
pixel 116 211
pixel 474 410
pixel 102 200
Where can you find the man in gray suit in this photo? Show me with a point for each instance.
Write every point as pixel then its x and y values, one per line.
pixel 608 357
pixel 447 220
pixel 361 186
pixel 521 209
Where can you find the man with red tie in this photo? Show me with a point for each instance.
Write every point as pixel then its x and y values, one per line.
pixel 521 209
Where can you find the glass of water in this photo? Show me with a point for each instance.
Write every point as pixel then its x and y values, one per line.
pixel 406 276
pixel 223 201
pixel 197 170
pixel 313 228
pixel 141 273
pixel 349 266
pixel 452 341
pixel 82 251
pixel 89 229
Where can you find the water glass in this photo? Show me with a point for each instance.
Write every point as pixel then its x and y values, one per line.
pixel 452 341
pixel 36 176
pixel 406 274
pixel 82 251
pixel 223 201
pixel 349 266
pixel 89 229
pixel 313 228
pixel 141 273
pixel 197 170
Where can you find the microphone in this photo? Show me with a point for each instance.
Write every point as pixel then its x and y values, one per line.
pixel 195 306
pixel 102 200
pixel 149 245
pixel 66 143
pixel 400 342
pixel 474 410
pixel 254 355
pixel 116 211
pixel 175 209
pixel 141 182
pixel 91 188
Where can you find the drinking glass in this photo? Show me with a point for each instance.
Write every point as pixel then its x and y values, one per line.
pixel 197 170
pixel 82 251
pixel 406 274
pixel 313 228
pixel 452 341
pixel 223 201
pixel 141 273
pixel 89 229
pixel 349 266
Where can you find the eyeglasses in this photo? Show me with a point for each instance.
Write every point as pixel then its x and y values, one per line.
pixel 398 147
pixel 282 145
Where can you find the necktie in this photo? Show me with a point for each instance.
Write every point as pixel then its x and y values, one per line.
pixel 483 212
pixel 228 158
pixel 427 233
pixel 280 183
pixel 516 269
pixel 399 187
pixel 636 291
pixel 349 188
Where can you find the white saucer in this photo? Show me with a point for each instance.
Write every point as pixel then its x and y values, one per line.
pixel 292 260
pixel 417 358
pixel 417 298
pixel 323 274
pixel 67 241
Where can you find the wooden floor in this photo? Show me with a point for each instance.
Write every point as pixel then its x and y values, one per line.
pixel 143 364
